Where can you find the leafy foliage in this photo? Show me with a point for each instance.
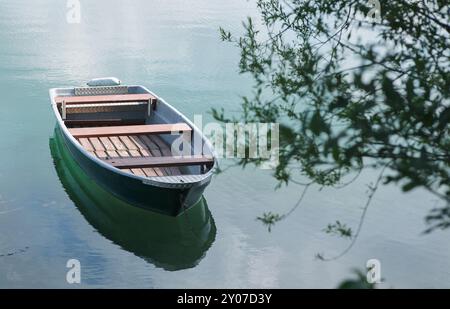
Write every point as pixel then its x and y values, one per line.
pixel 439 218
pixel 269 219
pixel 350 92
pixel 340 229
pixel 360 282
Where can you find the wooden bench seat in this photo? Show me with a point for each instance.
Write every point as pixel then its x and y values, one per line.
pixel 129 130
pixel 140 162
pixel 117 98
pixel 103 122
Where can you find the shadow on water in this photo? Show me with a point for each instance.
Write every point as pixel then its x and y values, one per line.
pixel 167 242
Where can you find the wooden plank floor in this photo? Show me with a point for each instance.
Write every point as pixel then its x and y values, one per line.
pixel 131 146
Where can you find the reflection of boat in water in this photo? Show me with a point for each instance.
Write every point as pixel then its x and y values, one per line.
pixel 169 242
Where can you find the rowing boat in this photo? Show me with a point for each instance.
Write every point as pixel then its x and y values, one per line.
pixel 134 144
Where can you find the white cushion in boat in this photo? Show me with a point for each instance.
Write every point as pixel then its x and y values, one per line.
pixel 104 81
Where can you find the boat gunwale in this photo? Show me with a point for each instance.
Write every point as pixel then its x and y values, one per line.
pixel 153 180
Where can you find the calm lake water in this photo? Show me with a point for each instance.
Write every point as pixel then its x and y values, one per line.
pixel 50 212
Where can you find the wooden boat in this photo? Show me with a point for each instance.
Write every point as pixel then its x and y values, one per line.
pixel 128 140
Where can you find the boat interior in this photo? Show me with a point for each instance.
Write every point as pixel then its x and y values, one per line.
pixel 129 129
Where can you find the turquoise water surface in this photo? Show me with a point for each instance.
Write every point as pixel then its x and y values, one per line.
pixel 50 212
